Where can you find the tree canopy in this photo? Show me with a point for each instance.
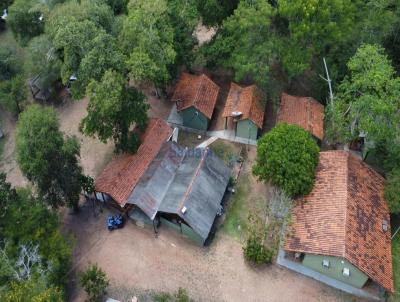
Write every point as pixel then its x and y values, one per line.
pixel 367 102
pixel 287 156
pixel 47 159
pixel 113 109
pixel 147 38
pixel 392 191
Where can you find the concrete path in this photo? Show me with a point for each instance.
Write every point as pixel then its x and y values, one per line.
pixel 230 136
pixel 174 117
pixel 207 142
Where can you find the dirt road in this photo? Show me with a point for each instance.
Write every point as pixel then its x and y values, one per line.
pixel 134 257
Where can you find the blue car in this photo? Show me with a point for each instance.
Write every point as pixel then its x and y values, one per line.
pixel 115 222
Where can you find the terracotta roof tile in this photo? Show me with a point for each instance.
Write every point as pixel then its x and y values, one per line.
pixel 198 91
pixel 343 217
pixel 124 171
pixel 305 112
pixel 247 101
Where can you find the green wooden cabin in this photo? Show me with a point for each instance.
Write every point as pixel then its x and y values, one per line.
pixel 195 97
pixel 246 110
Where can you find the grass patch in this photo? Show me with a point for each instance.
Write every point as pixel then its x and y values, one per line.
pixel 396 268
pixel 235 223
pixel 225 151
pixel 190 140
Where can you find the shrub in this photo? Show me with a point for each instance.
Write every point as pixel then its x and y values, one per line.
pixel 95 282
pixel 287 156
pixel 256 252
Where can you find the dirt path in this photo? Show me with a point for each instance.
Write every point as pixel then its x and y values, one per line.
pixel 94 154
pixel 132 257
pixel 8 163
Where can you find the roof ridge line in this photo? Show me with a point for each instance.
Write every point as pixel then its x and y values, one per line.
pixel 189 189
pixel 198 90
pixel 347 204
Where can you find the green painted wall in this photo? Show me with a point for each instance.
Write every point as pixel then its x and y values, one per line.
pixel 357 278
pixel 186 230
pixel 246 129
pixel 193 118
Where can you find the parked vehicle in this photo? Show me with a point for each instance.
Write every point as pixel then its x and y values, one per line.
pixel 115 222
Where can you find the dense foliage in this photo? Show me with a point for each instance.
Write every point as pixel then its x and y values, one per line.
pixel 255 251
pixel 112 109
pixel 47 159
pixel 367 104
pixel 287 156
pixel 392 191
pixel 34 257
pixel 95 282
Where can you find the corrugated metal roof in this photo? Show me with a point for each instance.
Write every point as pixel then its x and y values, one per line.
pixel 192 178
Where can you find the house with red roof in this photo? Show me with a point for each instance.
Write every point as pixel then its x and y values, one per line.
pixel 341 230
pixel 245 108
pixel 166 183
pixel 304 112
pixel 195 97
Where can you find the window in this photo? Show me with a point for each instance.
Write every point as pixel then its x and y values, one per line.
pixel 325 263
pixel 346 272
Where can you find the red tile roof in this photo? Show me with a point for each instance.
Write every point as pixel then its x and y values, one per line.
pixel 305 112
pixel 198 91
pixel 123 173
pixel 247 101
pixel 343 217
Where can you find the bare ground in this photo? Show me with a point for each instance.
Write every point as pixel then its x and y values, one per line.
pixel 134 258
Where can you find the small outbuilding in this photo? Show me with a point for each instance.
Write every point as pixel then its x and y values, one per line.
pixel 304 112
pixel 195 97
pixel 342 228
pixel 246 109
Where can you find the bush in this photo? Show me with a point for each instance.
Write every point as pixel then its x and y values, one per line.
pixel 392 191
pixel 287 156
pixel 256 252
pixel 95 282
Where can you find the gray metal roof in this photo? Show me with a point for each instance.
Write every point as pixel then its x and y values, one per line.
pixel 192 178
pixel 153 185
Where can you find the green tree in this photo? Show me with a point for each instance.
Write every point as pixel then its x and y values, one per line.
pixel 287 156
pixel 184 19
pixel 80 34
pixel 147 38
pixel 95 282
pixel 392 191
pixel 103 55
pixel 25 20
pixel 118 6
pixel 10 65
pixel 31 290
pixel 37 226
pixel 367 103
pixel 8 196
pixel 113 108
pixel 245 42
pixel 13 94
pixel 46 159
pixel 213 12
pixel 43 60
